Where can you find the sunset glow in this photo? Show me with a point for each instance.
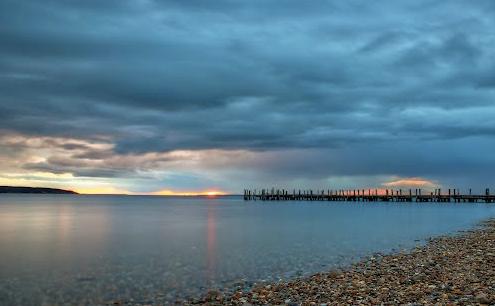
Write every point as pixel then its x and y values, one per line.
pixel 209 193
pixel 119 116
pixel 100 190
pixel 180 152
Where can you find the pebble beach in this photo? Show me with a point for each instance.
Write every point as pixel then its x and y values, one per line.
pixel 448 270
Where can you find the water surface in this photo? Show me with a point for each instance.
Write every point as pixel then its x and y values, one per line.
pixel 57 249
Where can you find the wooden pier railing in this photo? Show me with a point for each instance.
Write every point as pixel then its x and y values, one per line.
pixel 369 195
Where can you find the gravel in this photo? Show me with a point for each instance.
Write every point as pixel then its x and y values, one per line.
pixel 449 270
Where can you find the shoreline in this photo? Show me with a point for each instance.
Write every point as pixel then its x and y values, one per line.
pixel 456 269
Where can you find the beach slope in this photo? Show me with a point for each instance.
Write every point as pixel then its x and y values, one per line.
pixel 452 270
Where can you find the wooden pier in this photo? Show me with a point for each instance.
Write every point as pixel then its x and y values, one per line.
pixel 369 195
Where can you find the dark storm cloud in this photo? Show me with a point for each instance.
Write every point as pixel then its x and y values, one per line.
pixel 158 76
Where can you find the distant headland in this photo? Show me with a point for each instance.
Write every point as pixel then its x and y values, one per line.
pixel 12 189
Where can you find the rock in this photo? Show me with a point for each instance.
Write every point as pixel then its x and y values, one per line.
pixel 446 271
pixel 482 298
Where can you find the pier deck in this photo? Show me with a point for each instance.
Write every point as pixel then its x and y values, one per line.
pixel 369 195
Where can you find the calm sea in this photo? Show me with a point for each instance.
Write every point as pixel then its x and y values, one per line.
pixel 91 250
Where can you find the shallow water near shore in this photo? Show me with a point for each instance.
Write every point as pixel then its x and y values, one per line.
pixel 57 249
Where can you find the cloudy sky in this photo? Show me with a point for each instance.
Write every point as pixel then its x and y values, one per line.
pixel 144 96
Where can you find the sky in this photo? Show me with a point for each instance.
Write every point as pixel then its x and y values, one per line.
pixel 168 97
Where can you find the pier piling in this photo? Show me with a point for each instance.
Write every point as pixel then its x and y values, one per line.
pixel 360 195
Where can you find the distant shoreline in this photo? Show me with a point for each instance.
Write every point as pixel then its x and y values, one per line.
pixel 34 190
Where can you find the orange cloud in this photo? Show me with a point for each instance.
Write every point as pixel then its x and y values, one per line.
pixel 411 182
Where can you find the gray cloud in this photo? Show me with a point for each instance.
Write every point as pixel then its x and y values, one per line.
pixel 261 76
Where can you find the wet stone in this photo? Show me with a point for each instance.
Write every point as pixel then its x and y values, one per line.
pixel 448 270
